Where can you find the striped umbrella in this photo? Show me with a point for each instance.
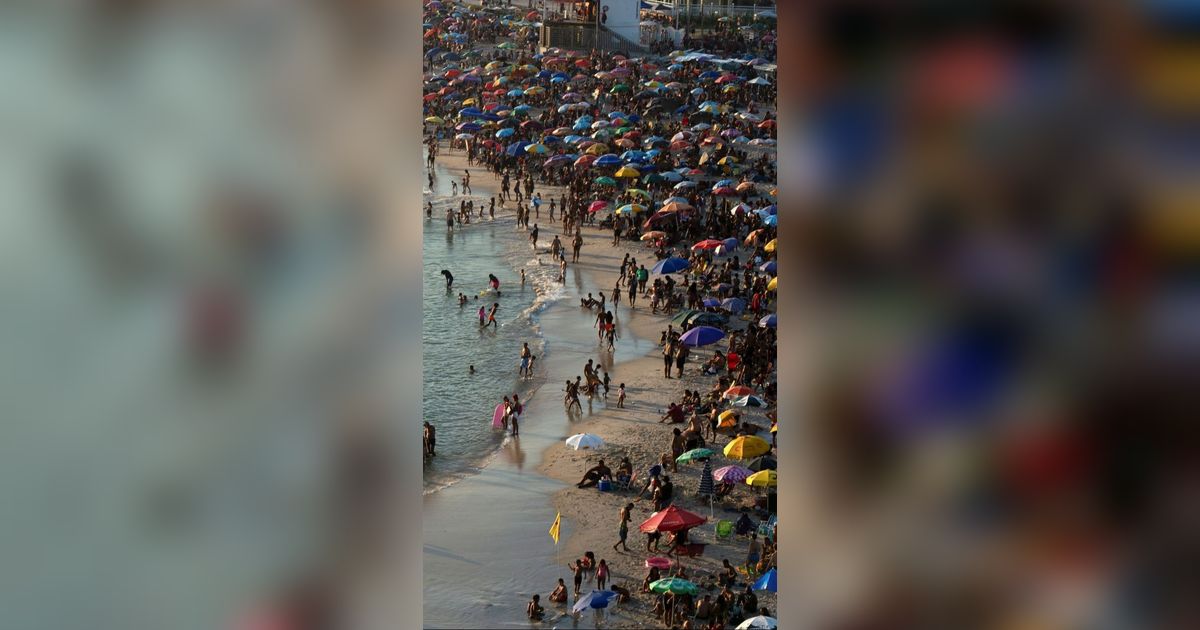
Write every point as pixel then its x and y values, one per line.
pixel 706 480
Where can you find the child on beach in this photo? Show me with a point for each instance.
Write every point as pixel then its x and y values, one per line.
pixel 482 317
pixel 577 568
pixel 605 381
pixel 529 372
pixel 601 574
pixel 621 396
pixel 559 595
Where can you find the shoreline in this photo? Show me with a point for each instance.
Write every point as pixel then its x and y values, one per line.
pixel 590 517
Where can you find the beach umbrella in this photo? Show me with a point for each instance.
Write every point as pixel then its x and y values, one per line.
pixel 706 480
pixel 771 220
pixel 770 247
pixel 609 159
pixel 683 315
pixel 687 184
pixel 733 305
pixel 732 474
pixel 763 479
pixel 435 120
pixel 702 336
pixel 773 284
pixel 711 302
pixel 653 235
pixel 768 321
pixel 627 171
pixel 749 401
pixel 594 599
pixel 606 181
pixel 670 265
pixel 506 132
pixel 584 440
pixel 671 519
pixel 710 243
pixel 746 447
pixel 658 562
pixel 597 206
pixel 767 582
pixel 556 161
pixel 765 462
pixel 754 623
pixel 737 391
pixel 677 206
pixel 639 192
pixel 727 419
pixel 695 454
pixel 585 160
pixel 464 136
pixel 674 586
pixel 767 267
pixel 631 208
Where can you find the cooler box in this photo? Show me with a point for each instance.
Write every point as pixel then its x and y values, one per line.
pixel 604 485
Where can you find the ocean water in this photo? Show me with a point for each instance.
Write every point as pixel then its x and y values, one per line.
pixel 460 404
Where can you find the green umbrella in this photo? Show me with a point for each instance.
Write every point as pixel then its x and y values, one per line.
pixel 606 181
pixel 694 454
pixel 675 586
pixel 620 87
pixel 653 178
pixel 682 316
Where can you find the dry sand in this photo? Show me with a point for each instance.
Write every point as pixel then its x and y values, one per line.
pixel 591 516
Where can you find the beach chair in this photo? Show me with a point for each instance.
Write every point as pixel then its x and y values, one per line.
pixel 626 485
pixel 767 527
pixel 724 530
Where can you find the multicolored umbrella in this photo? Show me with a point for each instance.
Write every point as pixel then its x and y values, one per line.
pixel 732 474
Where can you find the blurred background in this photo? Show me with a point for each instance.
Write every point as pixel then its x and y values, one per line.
pixel 206 301
pixel 994 215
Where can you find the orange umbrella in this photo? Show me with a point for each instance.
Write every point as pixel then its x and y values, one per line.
pixel 737 391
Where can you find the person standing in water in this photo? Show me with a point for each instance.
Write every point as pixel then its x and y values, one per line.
pixel 533 236
pixel 525 354
pixel 449 279
pixel 491 318
pixel 430 439
pixel 449 220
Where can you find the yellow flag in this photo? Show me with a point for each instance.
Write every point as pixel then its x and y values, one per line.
pixel 554 527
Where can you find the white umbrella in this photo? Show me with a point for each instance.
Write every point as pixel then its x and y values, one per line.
pixel 584 440
pixel 758 622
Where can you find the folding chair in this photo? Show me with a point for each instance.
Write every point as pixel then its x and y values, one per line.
pixel 627 485
pixel 724 530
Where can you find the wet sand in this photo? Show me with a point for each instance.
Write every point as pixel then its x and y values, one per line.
pixel 487 547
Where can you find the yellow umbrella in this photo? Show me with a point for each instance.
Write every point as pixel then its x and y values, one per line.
pixel 597 149
pixel 770 247
pixel 631 208
pixel 771 286
pixel 746 447
pixel 627 171
pixel 728 159
pixel 435 120
pixel 535 90
pixel 639 192
pixel 728 418
pixel 774 192
pixel 763 479
pixel 470 101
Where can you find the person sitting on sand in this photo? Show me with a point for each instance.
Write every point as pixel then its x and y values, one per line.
pixel 704 609
pixel 559 594
pixel 652 576
pixel 534 609
pixel 744 525
pixel 594 474
pixel 728 574
pixel 674 414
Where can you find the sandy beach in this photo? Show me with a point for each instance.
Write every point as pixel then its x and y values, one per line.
pixel 534 478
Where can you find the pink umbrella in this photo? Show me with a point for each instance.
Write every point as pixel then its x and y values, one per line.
pixel 597 206
pixel 658 562
pixel 732 474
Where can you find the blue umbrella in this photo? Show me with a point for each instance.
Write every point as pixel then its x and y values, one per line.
pixel 616 114
pixel 594 599
pixel 607 160
pixel 701 336
pixel 670 265
pixel 504 133
pixel 711 302
pixel 551 139
pixel 516 92
pixel 734 305
pixel 729 244
pixel 560 80
pixel 515 149
pixel 766 582
pixel 470 112
pixel 768 321
pixel 770 220
pixel 768 267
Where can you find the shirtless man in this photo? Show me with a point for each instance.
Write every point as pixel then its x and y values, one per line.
pixel 430 439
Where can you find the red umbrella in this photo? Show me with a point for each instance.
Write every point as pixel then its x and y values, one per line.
pixel 725 191
pixel 597 206
pixel 671 519
pixel 710 243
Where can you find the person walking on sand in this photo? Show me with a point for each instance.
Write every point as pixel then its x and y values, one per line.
pixel 632 295
pixel 668 355
pixel 623 528
pixel 466 186
pixel 601 574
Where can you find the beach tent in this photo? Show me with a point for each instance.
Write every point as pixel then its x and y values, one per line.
pixel 768 581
